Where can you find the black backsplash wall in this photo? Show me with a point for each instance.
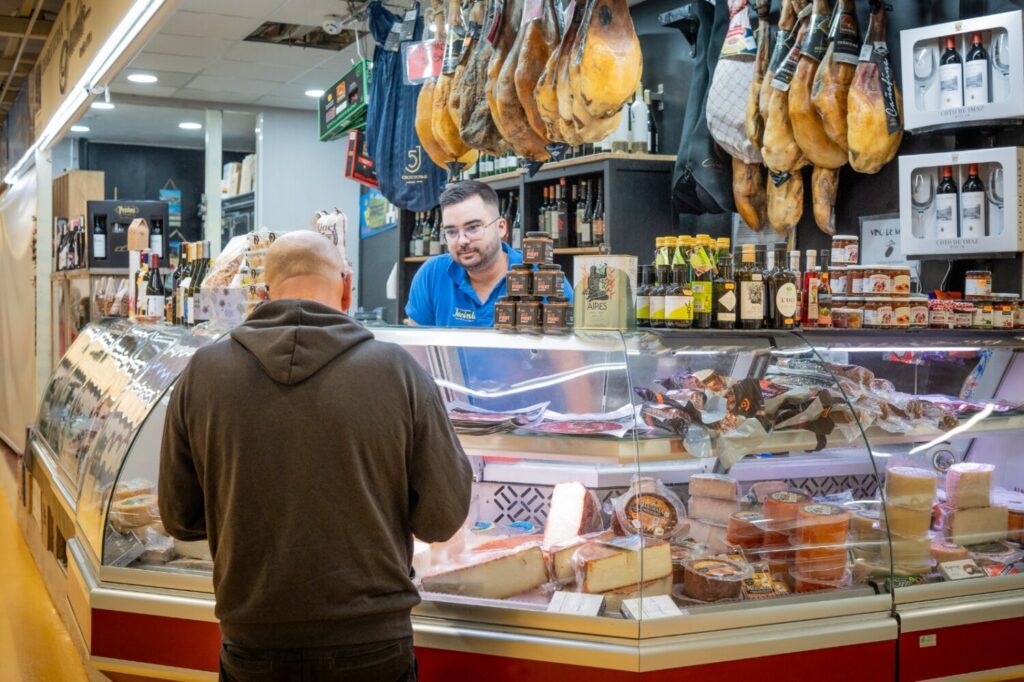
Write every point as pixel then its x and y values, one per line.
pixel 140 172
pixel 667 60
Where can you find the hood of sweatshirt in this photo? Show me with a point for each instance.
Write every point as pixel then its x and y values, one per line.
pixel 292 340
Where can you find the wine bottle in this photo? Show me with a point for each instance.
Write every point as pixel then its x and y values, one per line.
pixel 652 125
pixel 751 286
pixel 99 237
pixel 584 217
pixel 180 300
pixel 784 291
pixel 972 205
pixel 809 312
pixel 947 206
pixel 951 76
pixel 620 137
pixel 824 292
pixel 769 298
pixel 156 293
pixel 639 130
pixel 658 292
pixel 976 74
pixel 598 216
pixel 702 283
pixel 435 239
pixel 156 237
pixel 562 216
pixel 643 297
pixel 794 267
pixel 679 299
pixel 725 288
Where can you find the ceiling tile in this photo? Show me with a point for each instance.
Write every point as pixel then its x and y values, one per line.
pixel 221 97
pixel 171 79
pixel 188 46
pixel 242 85
pixel 280 73
pixel 144 90
pixel 257 9
pixel 169 62
pixel 264 53
pixel 206 25
pixel 287 102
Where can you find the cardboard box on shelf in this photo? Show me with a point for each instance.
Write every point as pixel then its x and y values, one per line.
pixel 231 178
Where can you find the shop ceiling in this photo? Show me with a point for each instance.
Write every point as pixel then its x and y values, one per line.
pixel 160 126
pixel 201 54
pixel 24 27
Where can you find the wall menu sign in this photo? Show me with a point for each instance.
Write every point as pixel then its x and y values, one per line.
pixel 81 28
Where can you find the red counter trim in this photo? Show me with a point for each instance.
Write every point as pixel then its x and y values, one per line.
pixel 961 649
pixel 156 639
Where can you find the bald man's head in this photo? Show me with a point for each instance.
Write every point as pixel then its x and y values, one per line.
pixel 305 265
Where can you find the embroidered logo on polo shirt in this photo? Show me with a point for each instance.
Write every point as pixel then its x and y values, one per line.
pixel 464 315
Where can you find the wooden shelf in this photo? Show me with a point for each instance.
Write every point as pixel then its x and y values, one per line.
pixel 417 259
pixel 504 178
pixel 582 251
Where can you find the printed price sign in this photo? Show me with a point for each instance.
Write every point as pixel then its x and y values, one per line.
pixel 423 60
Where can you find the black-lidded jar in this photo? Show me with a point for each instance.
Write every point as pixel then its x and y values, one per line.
pixel 547 281
pixel 529 315
pixel 519 281
pixel 558 315
pixel 538 248
pixel 505 314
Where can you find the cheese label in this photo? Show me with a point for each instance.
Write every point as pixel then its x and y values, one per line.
pixel 822 510
pixel 576 603
pixel 788 497
pixel 961 570
pixel 651 514
pixel 716 569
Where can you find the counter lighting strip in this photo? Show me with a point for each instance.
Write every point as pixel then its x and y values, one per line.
pixel 528 386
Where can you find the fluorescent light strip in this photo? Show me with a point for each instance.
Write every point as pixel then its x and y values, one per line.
pixel 900 349
pixel 127 29
pixel 528 386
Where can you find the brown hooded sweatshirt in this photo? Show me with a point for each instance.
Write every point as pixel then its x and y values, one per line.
pixel 308 454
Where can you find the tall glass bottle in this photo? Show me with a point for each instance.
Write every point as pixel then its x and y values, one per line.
pixel 156 293
pixel 976 74
pixel 679 299
pixel 794 267
pixel 99 237
pixel 809 313
pixel 750 280
pixel 973 202
pixel 951 76
pixel 725 289
pixel 702 282
pixel 824 292
pixel 658 291
pixel 947 206
pixel 783 292
pixel 643 297
pixel 598 221
pixel 187 266
pixel 584 219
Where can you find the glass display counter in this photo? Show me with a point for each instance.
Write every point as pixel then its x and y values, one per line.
pixel 641 502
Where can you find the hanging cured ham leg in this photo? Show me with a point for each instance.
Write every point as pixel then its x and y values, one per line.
pixel 824 189
pixel 754 120
pixel 539 41
pixel 835 75
pixel 784 39
pixel 785 201
pixel 748 191
pixel 875 115
pixel 781 152
pixel 610 61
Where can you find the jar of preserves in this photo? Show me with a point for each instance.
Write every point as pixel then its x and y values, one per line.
pixel 919 311
pixel 901 313
pixel 978 285
pixel 558 315
pixel 1004 310
pixel 878 280
pixel 878 312
pixel 845 249
pixel 529 315
pixel 538 248
pixel 941 315
pixel 847 318
pixel 900 280
pixel 855 277
pixel 520 280
pixel 840 279
pixel 547 281
pixel 505 314
pixel 983 314
pixel 963 314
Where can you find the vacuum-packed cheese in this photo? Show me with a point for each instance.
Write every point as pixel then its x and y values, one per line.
pixel 745 529
pixel 763 489
pixel 910 487
pixel 652 588
pixel 908 551
pixel 713 579
pixel 906 521
pixel 822 524
pixel 969 485
pixel 574 511
pixel 943 551
pixel 495 576
pixel 972 526
pixel 713 509
pixel 715 486
pixel 600 567
pixel 781 508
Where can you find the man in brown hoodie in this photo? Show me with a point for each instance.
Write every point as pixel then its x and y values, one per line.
pixel 309 454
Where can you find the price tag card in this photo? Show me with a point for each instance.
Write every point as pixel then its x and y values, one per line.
pixel 650 608
pixel 960 570
pixel 576 603
pixel 422 60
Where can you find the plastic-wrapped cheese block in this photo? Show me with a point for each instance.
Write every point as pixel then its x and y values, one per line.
pixel 908 551
pixel 714 486
pixel 1015 524
pixel 906 521
pixel 601 567
pixel 574 511
pixel 133 512
pixel 560 556
pixel 714 579
pixel 649 508
pixel 713 509
pixel 910 487
pixel 822 524
pixel 763 489
pixel 494 575
pixel 969 485
pixel 136 486
pixel 972 526
pixel 943 551
pixel 781 509
pixel 825 564
pixel 745 529
pixel 652 588
pixel 805 583
pixel 710 534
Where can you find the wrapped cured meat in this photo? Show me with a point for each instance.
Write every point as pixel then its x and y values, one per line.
pixel 781 152
pixel 785 36
pixel 824 187
pixel 609 59
pixel 785 201
pixel 807 127
pixel 875 107
pixel 586 126
pixel 754 122
pixel 424 114
pixel 461 58
pixel 469 95
pixel 750 193
pixel 730 87
pixel 545 93
pixel 540 38
pixel 510 15
pixel 508 109
pixel 446 132
pixel 832 82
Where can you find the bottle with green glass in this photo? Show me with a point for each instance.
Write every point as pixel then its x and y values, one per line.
pixel 702 282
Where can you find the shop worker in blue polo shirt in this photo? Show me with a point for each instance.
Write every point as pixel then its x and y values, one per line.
pixel 460 288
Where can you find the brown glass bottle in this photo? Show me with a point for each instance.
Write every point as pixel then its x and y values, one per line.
pixel 658 292
pixel 725 289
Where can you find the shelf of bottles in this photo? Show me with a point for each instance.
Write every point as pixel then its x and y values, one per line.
pixel 172 296
pixel 69 245
pixel 570 211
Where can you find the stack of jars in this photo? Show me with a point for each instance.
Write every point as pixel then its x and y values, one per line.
pixel 987 310
pixel 535 300
pixel 872 296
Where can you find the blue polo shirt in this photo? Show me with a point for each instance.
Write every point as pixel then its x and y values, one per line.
pixel 441 294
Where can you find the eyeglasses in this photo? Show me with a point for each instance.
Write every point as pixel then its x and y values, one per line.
pixel 472 233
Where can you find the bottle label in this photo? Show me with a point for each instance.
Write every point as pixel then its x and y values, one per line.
pixel 190 309
pixel 825 311
pixel 976 82
pixel 972 214
pixel 945 216
pixel 752 299
pixel 727 303
pixel 155 306
pixel 643 307
pixel 657 308
pixel 812 299
pixel 702 297
pixel 785 300
pixel 951 84
pixel 679 307
pixel 156 244
pixel 99 246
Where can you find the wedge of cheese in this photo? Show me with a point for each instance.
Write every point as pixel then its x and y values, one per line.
pixel 906 521
pixel 574 511
pixel 713 509
pixel 491 576
pixel 652 588
pixel 974 526
pixel 714 485
pixel 969 485
pixel 910 487
pixel 601 568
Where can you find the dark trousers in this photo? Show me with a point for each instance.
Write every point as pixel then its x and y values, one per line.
pixel 392 661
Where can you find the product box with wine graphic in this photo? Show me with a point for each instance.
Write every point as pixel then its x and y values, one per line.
pixel 964 73
pixel 962 203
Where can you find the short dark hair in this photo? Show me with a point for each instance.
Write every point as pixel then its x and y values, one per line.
pixel 458 192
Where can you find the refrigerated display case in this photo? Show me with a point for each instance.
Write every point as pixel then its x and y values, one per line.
pixel 644 505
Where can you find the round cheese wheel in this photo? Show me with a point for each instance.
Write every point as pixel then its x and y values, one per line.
pixel 745 530
pixel 907 551
pixel 863 524
pixel 808 583
pixel 713 579
pixel 911 487
pixel 906 521
pixel 822 524
pixel 943 551
pixel 781 508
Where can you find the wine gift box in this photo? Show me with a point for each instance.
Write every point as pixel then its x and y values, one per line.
pixel 985 221
pixel 997 81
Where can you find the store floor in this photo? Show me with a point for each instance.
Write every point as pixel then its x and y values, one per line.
pixel 34 645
